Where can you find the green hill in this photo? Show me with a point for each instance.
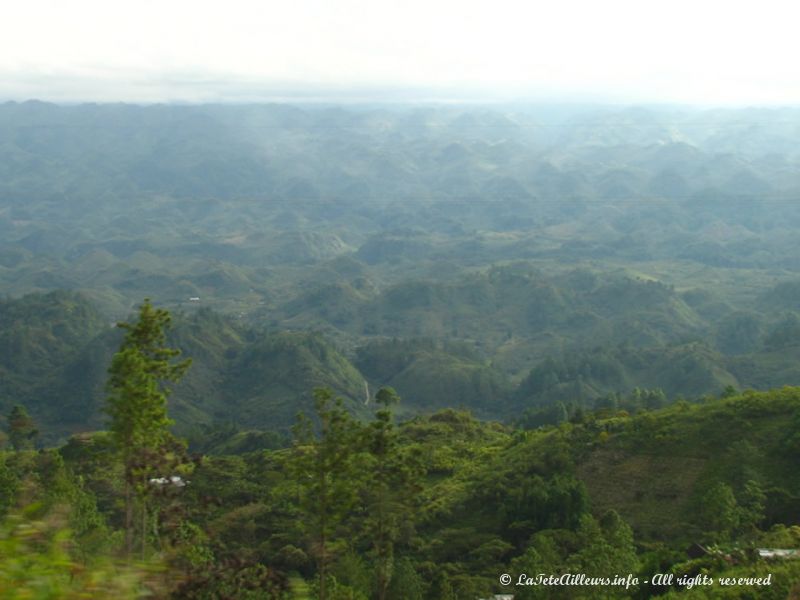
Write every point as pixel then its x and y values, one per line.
pixel 271 380
pixel 506 493
pixel 55 351
pixel 502 302
pixel 586 377
pixel 654 468
pixel 41 337
pixel 498 500
pixel 430 375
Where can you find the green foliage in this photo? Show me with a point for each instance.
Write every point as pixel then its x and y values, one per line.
pixel 269 381
pixel 137 406
pixel 215 580
pixel 21 428
pixel 437 506
pixel 752 502
pixel 719 512
pixel 681 478
pixel 601 548
pixel 389 491
pixel 371 266
pixel 324 471
pixel 9 485
pixel 406 584
pixel 137 397
pixel 352 573
pixel 35 562
pixel 40 333
pixel 604 378
pixel 42 478
pixel 605 547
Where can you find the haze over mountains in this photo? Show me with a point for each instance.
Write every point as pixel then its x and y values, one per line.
pixel 501 258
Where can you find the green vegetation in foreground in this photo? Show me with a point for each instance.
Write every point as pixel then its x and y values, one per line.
pixel 602 282
pixel 605 493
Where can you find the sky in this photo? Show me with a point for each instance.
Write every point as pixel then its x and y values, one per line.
pixel 704 52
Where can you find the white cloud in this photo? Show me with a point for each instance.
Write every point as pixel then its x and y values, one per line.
pixel 691 51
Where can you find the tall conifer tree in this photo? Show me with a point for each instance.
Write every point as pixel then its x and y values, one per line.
pixel 391 489
pixel 137 401
pixel 323 466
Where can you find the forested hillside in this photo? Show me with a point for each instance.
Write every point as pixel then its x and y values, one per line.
pixel 523 255
pixel 522 339
pixel 605 494
pixel 56 348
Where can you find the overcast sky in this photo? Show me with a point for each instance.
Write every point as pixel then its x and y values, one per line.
pixel 688 51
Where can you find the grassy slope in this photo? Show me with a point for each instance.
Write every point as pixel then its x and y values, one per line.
pixel 653 468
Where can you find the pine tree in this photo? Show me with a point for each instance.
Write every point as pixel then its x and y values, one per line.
pixel 137 402
pixel 391 489
pixel 323 466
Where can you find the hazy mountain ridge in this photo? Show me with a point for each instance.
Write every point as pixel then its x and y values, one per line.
pixel 523 233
